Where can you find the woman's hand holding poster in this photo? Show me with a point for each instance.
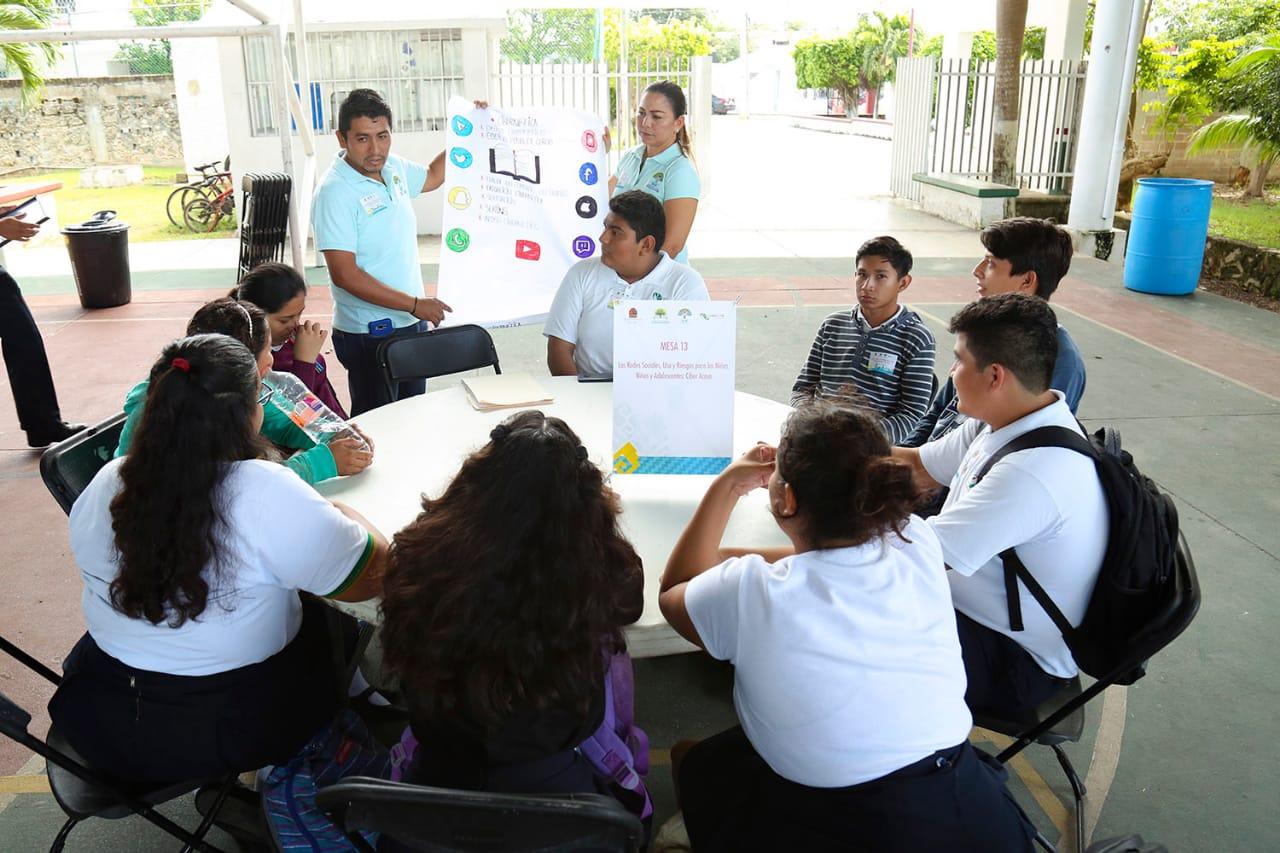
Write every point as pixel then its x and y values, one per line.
pixel 525 194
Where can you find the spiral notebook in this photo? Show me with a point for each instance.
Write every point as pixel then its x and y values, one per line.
pixel 505 391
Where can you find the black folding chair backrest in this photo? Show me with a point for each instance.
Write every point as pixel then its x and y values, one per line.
pixel 68 466
pixel 439 352
pixel 437 819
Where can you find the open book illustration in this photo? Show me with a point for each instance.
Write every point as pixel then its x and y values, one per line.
pixel 522 165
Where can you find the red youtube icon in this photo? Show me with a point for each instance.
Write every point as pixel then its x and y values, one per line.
pixel 527 250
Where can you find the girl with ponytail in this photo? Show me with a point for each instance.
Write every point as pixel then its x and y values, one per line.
pixel 662 164
pixel 848 678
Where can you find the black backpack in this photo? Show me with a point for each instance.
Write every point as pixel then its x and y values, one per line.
pixel 1137 579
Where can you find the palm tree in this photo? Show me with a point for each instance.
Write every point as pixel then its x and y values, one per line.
pixel 27 15
pixel 1257 130
pixel 878 44
pixel 1011 25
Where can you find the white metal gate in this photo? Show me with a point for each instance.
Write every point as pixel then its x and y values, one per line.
pixel 945 118
pixel 607 90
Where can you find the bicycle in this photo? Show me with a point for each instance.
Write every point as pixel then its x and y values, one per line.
pixel 202 213
pixel 212 183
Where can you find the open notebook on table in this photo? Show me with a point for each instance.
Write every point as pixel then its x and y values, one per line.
pixel 504 391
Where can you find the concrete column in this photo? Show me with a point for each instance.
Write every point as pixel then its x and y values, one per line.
pixel 1112 63
pixel 1064 29
pixel 95 125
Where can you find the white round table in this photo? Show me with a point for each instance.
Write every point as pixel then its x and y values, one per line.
pixel 421 442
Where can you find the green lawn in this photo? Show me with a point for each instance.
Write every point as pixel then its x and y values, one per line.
pixel 140 205
pixel 1253 221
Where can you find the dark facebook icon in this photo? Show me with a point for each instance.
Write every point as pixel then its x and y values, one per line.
pixel 586 207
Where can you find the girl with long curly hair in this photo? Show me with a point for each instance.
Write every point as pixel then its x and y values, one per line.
pixel 198 659
pixel 502 603
pixel 848 680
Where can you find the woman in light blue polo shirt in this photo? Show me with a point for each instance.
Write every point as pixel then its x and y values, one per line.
pixel 661 165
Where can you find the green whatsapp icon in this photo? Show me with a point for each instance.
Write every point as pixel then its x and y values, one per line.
pixel 457 240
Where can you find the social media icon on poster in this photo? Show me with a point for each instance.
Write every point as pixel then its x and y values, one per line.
pixel 527 250
pixel 460 198
pixel 587 173
pixel 457 240
pixel 461 126
pixel 586 207
pixel 589 140
pixel 461 157
pixel 584 246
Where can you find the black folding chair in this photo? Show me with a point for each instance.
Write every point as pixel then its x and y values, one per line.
pixel 82 792
pixel 416 817
pixel 1061 719
pixel 438 352
pixel 68 466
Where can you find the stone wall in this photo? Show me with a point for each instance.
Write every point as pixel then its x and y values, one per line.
pixel 1249 267
pixel 83 121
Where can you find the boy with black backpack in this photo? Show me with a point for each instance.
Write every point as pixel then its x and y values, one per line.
pixel 1047 502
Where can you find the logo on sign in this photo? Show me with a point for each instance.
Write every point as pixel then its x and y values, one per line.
pixel 589 140
pixel 587 173
pixel 586 207
pixel 461 126
pixel 461 157
pixel 660 315
pixel 460 198
pixel 684 314
pixel 457 240
pixel 632 314
pixel 527 250
pixel 584 246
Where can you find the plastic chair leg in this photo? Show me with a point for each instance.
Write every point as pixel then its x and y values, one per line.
pixel 61 840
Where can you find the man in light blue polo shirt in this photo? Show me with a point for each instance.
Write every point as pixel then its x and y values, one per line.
pixel 366 228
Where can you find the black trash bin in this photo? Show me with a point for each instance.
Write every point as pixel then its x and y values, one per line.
pixel 99 250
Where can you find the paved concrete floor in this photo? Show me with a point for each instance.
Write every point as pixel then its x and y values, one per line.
pixel 1186 756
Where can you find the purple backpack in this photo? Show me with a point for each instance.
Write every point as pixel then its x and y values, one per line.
pixel 618 751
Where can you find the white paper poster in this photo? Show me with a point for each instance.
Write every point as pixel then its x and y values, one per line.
pixel 673 379
pixel 525 193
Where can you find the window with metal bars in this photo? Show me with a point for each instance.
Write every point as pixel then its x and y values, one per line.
pixel 416 71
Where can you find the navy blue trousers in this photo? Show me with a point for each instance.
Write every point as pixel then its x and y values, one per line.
pixel 26 361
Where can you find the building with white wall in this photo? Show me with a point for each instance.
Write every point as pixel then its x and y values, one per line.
pixel 226 87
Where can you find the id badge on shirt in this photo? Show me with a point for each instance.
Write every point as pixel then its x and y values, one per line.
pixel 882 363
pixel 372 203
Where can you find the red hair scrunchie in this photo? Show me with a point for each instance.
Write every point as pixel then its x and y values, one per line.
pixel 182 364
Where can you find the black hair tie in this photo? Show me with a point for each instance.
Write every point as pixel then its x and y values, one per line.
pixel 582 453
pixel 499 432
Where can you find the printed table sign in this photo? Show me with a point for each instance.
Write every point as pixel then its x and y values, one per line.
pixel 673 379
pixel 524 200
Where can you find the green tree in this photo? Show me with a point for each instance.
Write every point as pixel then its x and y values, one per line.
pixel 21 59
pixel 155 57
pixel 1249 86
pixel 878 42
pixel 1195 83
pixel 550 35
pixel 1033 43
pixel 725 47
pixel 828 64
pixel 1191 20
pixel 649 40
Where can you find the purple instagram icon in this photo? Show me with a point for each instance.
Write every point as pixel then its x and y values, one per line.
pixel 584 246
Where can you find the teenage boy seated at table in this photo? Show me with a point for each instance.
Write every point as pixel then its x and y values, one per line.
pixel 848 679
pixel 579 328
pixel 1047 502
pixel 1023 255
pixel 878 349
pixel 247 323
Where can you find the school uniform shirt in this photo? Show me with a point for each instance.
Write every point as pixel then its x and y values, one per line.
pixel 374 220
pixel 890 366
pixel 665 176
pixel 1047 502
pixel 253 609
pixel 847 663
pixel 582 311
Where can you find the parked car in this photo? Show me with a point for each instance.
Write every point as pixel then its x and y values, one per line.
pixel 722 106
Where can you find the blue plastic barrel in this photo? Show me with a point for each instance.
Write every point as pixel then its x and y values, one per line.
pixel 1166 239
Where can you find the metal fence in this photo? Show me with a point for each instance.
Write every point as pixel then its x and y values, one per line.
pixel 954 135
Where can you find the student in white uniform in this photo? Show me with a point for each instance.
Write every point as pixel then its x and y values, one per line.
pixel 200 658
pixel 1046 502
pixel 848 684
pixel 579 328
